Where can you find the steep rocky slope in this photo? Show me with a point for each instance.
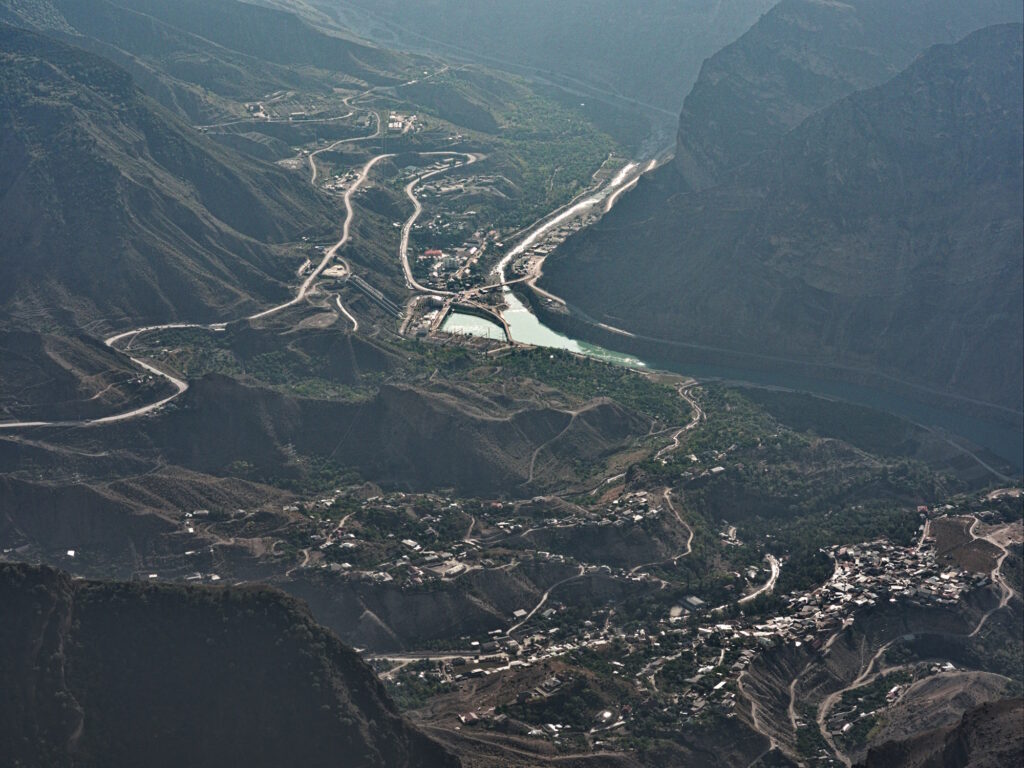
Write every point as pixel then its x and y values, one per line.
pixel 59 376
pixel 411 437
pixel 802 56
pixel 989 736
pixel 97 181
pixel 112 674
pixel 882 235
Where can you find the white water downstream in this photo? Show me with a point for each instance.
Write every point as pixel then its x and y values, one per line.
pixel 573 210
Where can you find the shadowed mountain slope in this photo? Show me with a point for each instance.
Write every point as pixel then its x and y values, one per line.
pixel 405 436
pixel 119 674
pixel 648 52
pixel 114 209
pixel 883 235
pixel 802 56
pixel 989 736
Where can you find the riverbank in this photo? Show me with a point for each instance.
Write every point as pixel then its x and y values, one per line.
pixel 993 429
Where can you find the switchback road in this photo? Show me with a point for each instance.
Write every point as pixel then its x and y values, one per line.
pixel 180 385
pixel 410 192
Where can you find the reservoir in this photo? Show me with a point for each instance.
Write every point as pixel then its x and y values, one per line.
pixel 1001 439
pixel 463 324
pixel 527 329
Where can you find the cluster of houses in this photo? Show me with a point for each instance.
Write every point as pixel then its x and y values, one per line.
pixel 712 648
pixel 341 181
pixel 719 650
pixel 399 123
pixel 449 268
pixel 880 570
pixel 524 264
pixel 408 560
pixel 629 509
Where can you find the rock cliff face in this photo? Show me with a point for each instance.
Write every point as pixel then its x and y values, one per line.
pixel 802 56
pixel 989 736
pixel 882 235
pixel 114 674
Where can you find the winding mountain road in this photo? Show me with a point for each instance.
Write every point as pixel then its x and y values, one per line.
pixel 1006 591
pixel 667 496
pixel 314 172
pixel 698 417
pixel 410 192
pixel 868 675
pixel 346 313
pixel 180 385
pixel 544 599
pixel 346 231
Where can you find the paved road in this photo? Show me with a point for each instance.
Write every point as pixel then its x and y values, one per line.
pixel 614 198
pixel 346 313
pixel 346 230
pixel 314 172
pixel 560 217
pixel 180 385
pixel 421 655
pixel 544 599
pixel 410 192
pixel 768 585
pixel 266 121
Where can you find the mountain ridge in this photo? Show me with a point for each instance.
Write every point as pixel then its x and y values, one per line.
pixel 96 672
pixel 801 56
pixel 827 249
pixel 190 227
pixel 195 58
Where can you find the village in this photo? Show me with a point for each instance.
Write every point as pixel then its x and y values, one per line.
pixel 690 659
pixel 682 657
pixel 684 661
pixel 528 262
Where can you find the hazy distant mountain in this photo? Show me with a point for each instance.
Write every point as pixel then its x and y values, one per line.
pixel 118 674
pixel 802 56
pixel 650 51
pixel 113 209
pixel 883 234
pixel 187 53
